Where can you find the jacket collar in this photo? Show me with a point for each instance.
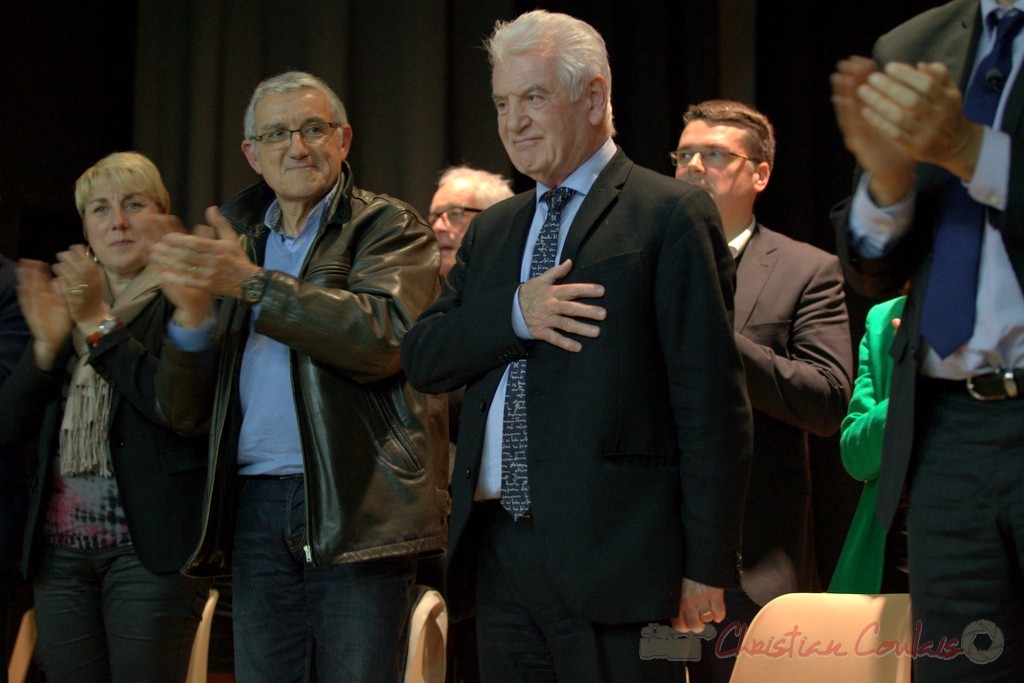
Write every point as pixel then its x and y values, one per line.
pixel 245 210
pixel 602 195
pixel 752 273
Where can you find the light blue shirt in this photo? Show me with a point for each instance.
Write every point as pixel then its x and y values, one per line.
pixel 581 180
pixel 192 340
pixel 998 339
pixel 269 442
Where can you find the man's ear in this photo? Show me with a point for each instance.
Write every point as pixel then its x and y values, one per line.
pixel 597 99
pixel 345 136
pixel 249 150
pixel 762 172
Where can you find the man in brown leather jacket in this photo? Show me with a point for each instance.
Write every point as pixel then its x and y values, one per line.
pixel 327 471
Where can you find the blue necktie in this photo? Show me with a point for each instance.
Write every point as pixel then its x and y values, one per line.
pixel 515 487
pixel 948 313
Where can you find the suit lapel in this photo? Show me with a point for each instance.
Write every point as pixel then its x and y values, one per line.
pixel 956 49
pixel 1014 106
pixel 752 273
pixel 509 257
pixel 602 195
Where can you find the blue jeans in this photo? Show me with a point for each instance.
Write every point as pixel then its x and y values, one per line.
pixel 294 621
pixel 102 616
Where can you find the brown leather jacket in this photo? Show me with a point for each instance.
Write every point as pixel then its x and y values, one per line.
pixel 374 449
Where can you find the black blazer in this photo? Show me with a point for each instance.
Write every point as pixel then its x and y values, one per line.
pixel 793 335
pixel 160 475
pixel 639 443
pixel 947 34
pixel 13 491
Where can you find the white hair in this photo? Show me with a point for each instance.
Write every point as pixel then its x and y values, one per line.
pixel 577 48
pixel 490 188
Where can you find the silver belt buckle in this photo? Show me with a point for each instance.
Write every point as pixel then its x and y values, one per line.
pixel 1009 386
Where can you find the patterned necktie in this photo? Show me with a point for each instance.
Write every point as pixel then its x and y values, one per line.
pixel 515 488
pixel 948 313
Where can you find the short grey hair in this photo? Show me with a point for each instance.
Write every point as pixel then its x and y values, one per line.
pixel 490 188
pixel 578 50
pixel 287 82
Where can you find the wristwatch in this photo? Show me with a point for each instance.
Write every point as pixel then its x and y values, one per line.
pixel 254 286
pixel 109 324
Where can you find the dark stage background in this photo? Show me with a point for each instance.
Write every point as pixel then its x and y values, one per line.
pixel 172 78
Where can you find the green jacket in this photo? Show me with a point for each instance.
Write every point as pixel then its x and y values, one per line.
pixel 860 565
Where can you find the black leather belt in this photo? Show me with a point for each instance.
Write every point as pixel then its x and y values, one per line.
pixel 998 385
pixel 494 506
pixel 271 477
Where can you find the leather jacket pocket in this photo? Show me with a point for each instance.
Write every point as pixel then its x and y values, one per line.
pixel 392 444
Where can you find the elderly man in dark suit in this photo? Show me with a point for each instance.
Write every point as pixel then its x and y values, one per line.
pixel 935 122
pixel 793 335
pixel 605 435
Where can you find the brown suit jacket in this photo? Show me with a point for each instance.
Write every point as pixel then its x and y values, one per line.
pixel 793 334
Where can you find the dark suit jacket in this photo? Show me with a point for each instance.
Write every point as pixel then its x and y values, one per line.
pixel 639 443
pixel 13 491
pixel 947 34
pixel 794 337
pixel 160 475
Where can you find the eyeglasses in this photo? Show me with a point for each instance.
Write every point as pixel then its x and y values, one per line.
pixel 453 215
pixel 716 158
pixel 312 133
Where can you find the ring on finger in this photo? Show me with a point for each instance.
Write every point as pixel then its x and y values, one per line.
pixel 192 270
pixel 707 615
pixel 78 288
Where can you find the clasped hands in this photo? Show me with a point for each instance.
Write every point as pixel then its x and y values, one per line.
pixel 208 262
pixel 551 310
pixel 894 118
pixel 70 294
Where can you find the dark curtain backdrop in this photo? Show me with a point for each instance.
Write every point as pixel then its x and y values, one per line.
pixel 171 78
pixel 413 76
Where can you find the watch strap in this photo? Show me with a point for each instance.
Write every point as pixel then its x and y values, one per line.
pixel 109 324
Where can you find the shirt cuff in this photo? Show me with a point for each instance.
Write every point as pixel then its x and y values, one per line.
pixel 518 321
pixel 191 340
pixel 991 180
pixel 875 230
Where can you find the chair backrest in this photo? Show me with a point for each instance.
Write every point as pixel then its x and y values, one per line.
pixel 24 646
pixel 829 637
pixel 428 635
pixel 197 663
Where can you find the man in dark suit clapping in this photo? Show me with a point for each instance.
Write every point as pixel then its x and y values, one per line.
pixel 935 122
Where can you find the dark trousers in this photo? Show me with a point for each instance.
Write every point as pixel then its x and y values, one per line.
pixel 965 524
pixel 294 621
pixel 102 616
pixel 525 632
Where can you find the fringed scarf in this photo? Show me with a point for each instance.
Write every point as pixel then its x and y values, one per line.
pixel 84 444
